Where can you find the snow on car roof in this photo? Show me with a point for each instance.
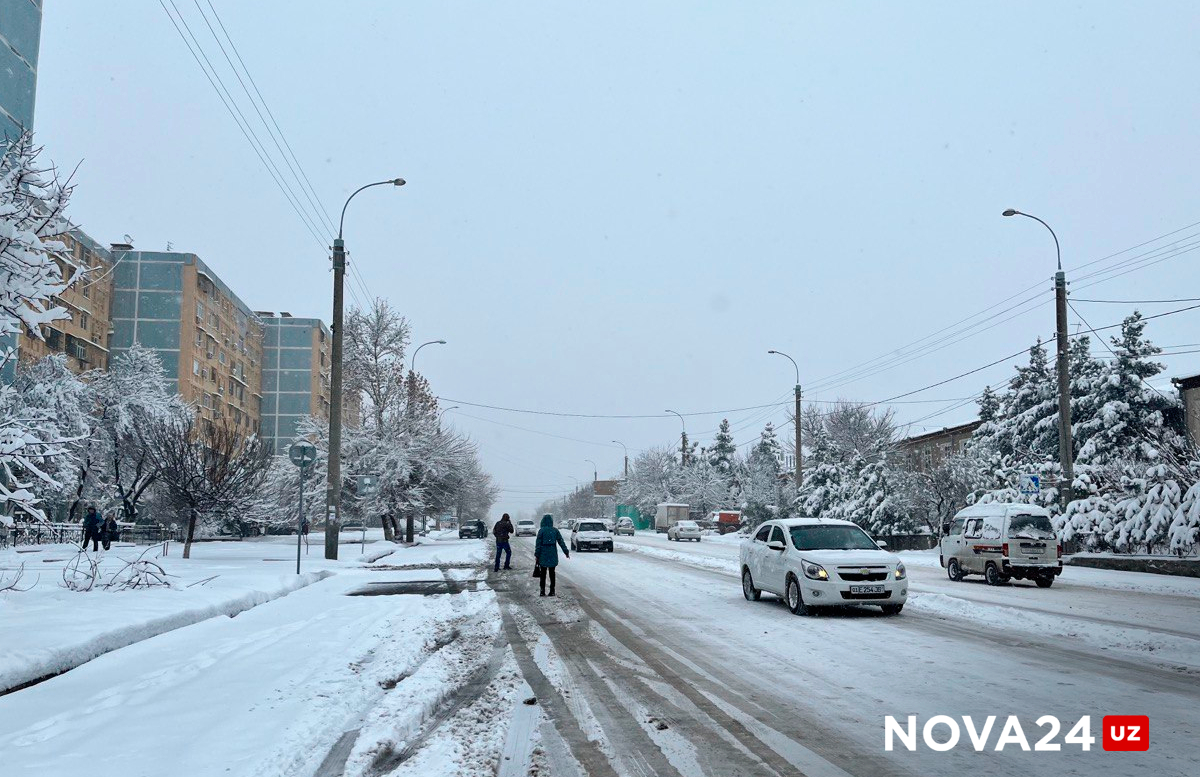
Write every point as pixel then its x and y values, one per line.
pixel 996 508
pixel 813 522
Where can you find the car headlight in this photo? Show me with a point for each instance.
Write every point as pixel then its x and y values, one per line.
pixel 900 573
pixel 815 571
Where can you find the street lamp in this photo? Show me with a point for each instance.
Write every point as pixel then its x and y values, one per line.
pixel 682 438
pixel 444 411
pixel 799 455
pixel 333 499
pixel 412 364
pixel 626 449
pixel 1066 453
pixel 595 470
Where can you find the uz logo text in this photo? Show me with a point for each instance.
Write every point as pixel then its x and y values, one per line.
pixel 1126 732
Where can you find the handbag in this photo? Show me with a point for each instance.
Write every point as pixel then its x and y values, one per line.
pixel 537 571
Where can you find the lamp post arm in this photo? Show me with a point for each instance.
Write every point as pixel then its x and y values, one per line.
pixel 342 220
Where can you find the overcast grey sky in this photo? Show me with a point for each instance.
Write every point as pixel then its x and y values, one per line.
pixel 618 207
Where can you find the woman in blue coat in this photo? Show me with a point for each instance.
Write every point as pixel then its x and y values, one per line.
pixel 545 552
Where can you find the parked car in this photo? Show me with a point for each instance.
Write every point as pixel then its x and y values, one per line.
pixel 1002 541
pixel 684 530
pixel 472 530
pixel 666 514
pixel 625 526
pixel 814 563
pixel 526 527
pixel 591 535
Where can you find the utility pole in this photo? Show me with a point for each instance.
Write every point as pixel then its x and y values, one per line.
pixel 799 454
pixel 618 442
pixel 1066 447
pixel 333 498
pixel 683 455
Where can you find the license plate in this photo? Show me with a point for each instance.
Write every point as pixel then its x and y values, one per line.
pixel 866 589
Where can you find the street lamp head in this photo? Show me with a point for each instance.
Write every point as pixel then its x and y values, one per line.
pixel 440 342
pixel 1011 212
pixel 772 351
pixel 398 182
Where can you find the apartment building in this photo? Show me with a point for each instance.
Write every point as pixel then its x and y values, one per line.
pixel 295 375
pixel 210 342
pixel 926 451
pixel 20 39
pixel 83 337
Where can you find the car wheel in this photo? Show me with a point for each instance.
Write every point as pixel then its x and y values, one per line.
pixel 1044 581
pixel 892 609
pixel 991 574
pixel 751 593
pixel 795 601
pixel 610 547
pixel 954 570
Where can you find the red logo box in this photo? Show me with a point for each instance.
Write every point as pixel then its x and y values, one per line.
pixel 1126 732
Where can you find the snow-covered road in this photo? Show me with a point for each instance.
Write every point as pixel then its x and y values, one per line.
pixel 652 663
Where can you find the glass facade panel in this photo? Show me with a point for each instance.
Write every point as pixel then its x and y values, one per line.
pixel 165 277
pixel 122 336
pixel 159 304
pixel 294 360
pixel 292 337
pixel 158 334
pixel 293 404
pixel 294 380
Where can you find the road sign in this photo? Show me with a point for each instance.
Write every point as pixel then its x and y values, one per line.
pixel 1029 484
pixel 366 485
pixel 302 453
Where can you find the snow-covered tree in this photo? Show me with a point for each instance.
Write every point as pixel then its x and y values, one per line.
pixel 653 479
pixel 32 212
pixel 723 452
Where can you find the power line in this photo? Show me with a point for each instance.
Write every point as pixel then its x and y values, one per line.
pixel 1110 350
pixel 1138 301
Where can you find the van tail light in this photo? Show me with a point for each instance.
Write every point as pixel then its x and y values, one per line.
pixel 1060 549
pixel 1004 550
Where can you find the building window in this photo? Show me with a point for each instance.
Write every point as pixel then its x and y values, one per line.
pixel 221 357
pixel 195 366
pixel 83 320
pixel 200 312
pixel 199 339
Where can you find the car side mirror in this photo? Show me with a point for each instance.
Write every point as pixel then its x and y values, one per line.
pixel 775 545
pixel 881 543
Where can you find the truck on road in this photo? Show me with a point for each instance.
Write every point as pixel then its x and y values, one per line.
pixel 666 514
pixel 726 521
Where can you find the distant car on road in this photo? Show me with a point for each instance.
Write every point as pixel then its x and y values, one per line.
pixel 625 526
pixel 591 535
pixel 526 527
pixel 814 563
pixel 684 530
pixel 472 530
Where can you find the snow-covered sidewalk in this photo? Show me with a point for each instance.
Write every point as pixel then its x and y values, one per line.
pixel 50 629
pixel 268 692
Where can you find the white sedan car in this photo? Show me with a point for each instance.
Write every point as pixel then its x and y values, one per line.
pixel 591 535
pixel 814 563
pixel 684 530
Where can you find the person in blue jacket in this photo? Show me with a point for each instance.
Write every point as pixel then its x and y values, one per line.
pixel 546 546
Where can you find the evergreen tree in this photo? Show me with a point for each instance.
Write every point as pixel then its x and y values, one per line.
pixel 723 451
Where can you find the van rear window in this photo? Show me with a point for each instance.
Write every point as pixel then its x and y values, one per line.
pixel 1030 527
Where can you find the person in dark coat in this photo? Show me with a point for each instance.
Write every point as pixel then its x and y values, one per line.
pixel 91 529
pixel 545 549
pixel 110 532
pixel 503 530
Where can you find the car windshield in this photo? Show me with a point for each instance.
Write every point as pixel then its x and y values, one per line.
pixel 832 537
pixel 590 526
pixel 1030 527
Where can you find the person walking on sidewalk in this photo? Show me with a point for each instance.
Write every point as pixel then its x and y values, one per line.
pixel 503 530
pixel 545 550
pixel 91 529
pixel 110 531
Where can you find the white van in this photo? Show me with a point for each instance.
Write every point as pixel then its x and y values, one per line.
pixel 1002 541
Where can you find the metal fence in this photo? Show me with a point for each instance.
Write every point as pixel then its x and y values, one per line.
pixel 39 533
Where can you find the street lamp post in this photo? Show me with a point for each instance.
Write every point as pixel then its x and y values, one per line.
pixel 1066 452
pixel 444 411
pixel 333 499
pixel 799 455
pixel 595 470
pixel 623 447
pixel 412 364
pixel 682 438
